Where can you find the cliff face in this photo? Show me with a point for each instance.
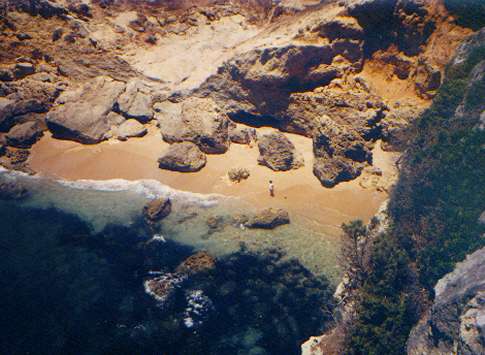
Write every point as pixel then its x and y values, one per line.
pixel 436 214
pixel 335 72
pixel 456 321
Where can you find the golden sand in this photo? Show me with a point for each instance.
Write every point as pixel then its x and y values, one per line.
pixel 298 191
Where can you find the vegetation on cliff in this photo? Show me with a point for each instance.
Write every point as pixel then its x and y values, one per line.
pixel 434 208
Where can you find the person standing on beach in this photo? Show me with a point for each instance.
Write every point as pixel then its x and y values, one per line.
pixel 271 188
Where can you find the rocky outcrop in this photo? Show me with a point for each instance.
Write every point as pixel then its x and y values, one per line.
pixel 81 114
pixel 269 219
pixel 340 153
pixel 199 262
pixel 130 128
pixel 157 209
pixel 162 288
pixel 455 322
pixel 238 174
pixel 25 134
pixel 136 102
pixel 184 157
pixel 241 135
pixel 199 121
pixel 278 153
pixel 45 8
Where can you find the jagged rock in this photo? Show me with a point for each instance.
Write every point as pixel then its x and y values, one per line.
pixel 199 121
pixel 395 126
pixel 428 80
pixel 135 103
pixel 12 190
pixel 238 174
pixel 45 8
pixel 11 111
pixel 278 153
pixel 162 288
pixel 260 81
pixel 25 134
pixel 81 8
pixel 199 262
pixel 241 135
pixel 22 70
pixel 157 209
pixel 130 128
pixel 330 171
pixel 81 114
pixel 455 322
pixel 184 157
pixel 269 219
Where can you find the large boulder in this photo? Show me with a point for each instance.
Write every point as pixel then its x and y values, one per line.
pixel 241 135
pixel 199 121
pixel 130 128
pixel 81 114
pixel 25 134
pixel 13 110
pixel 184 157
pixel 135 102
pixel 330 171
pixel 278 153
pixel 269 219
pixel 157 209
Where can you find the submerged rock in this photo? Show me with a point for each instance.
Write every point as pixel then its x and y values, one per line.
pixel 157 210
pixel 184 157
pixel 269 219
pixel 12 190
pixel 199 262
pixel 278 153
pixel 162 288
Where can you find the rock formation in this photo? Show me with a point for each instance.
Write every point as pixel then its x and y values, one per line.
pixel 157 209
pixel 184 157
pixel 268 219
pixel 455 323
pixel 82 114
pixel 296 67
pixel 278 153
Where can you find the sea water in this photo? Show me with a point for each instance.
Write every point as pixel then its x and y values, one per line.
pixel 75 256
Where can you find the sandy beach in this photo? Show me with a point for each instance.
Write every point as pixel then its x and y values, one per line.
pixel 298 190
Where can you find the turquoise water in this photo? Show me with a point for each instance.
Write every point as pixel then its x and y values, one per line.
pixel 75 256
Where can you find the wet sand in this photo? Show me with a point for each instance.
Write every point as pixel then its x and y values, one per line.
pixel 298 190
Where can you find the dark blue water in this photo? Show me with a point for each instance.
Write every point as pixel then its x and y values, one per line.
pixel 68 290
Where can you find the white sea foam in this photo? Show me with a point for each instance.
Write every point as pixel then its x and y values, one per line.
pixel 148 188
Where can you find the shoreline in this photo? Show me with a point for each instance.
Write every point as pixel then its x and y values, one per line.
pixel 298 191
